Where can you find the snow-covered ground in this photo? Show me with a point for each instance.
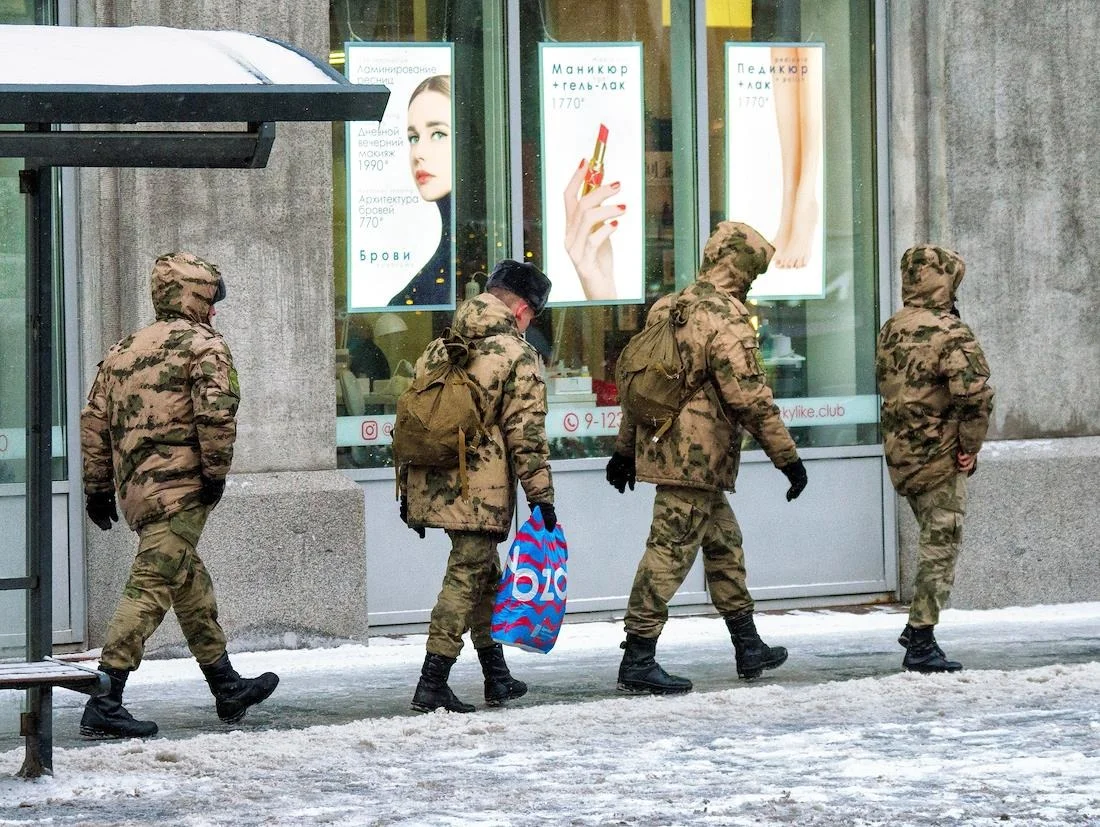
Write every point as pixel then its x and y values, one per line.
pixel 837 736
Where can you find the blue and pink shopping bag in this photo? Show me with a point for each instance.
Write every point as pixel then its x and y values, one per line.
pixel 530 601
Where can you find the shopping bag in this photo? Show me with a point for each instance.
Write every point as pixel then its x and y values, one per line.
pixel 530 602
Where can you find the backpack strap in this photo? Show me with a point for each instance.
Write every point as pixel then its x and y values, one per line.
pixel 682 308
pixel 463 478
pixel 458 348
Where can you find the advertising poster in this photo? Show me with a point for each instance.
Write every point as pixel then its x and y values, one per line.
pixel 400 176
pixel 593 172
pixel 775 170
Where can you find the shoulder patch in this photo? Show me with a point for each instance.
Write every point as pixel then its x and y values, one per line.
pixel 234 383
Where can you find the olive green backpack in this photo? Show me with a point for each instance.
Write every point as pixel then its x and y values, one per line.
pixel 441 415
pixel 651 376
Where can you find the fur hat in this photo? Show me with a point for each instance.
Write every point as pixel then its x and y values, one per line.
pixel 525 280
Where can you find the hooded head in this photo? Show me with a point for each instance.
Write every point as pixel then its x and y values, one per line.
pixel 734 256
pixel 930 277
pixel 185 286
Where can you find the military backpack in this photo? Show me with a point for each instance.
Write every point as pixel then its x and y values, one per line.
pixel 650 373
pixel 441 415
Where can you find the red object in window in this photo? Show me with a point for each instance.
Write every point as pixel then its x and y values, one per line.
pixel 607 393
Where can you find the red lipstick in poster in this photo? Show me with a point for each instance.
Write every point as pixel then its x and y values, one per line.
pixel 593 176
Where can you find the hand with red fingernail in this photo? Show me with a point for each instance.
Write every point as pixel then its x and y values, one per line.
pixel 589 224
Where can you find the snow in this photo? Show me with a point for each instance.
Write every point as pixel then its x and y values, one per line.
pixel 837 736
pixel 158 55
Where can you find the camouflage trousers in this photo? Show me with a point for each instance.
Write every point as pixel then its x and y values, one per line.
pixel 939 512
pixel 166 574
pixel 685 520
pixel 465 602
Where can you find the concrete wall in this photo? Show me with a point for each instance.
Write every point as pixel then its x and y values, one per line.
pixel 270 232
pixel 993 117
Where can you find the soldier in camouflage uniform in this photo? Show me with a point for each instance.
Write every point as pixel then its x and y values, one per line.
pixel 696 461
pixel 936 402
pixel 159 425
pixel 507 369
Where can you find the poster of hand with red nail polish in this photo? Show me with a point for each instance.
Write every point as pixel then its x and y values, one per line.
pixel 593 172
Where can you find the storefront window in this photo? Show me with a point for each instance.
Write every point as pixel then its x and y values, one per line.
pixel 421 199
pixel 598 202
pixel 602 125
pixel 792 152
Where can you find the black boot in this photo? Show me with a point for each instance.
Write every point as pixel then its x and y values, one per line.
pixel 923 654
pixel 106 717
pixel 500 686
pixel 233 695
pixel 752 654
pixel 432 692
pixel 639 673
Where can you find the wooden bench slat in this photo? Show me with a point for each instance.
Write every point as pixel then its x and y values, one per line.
pixel 24 675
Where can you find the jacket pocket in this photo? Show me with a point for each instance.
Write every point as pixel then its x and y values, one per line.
pixel 975 358
pixel 754 361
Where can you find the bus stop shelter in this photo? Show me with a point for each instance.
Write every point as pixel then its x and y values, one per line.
pixel 55 83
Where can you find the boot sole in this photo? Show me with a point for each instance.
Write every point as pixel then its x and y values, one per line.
pixel 646 689
pixel 102 735
pixel 926 670
pixel 425 708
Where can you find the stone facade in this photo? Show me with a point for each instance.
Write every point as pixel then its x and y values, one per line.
pixel 286 545
pixel 992 139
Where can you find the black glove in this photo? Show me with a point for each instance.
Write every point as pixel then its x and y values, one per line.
pixel 796 474
pixel 101 509
pixel 211 490
pixel 621 472
pixel 419 529
pixel 549 516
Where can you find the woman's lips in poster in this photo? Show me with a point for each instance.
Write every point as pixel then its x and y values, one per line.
pixel 423 177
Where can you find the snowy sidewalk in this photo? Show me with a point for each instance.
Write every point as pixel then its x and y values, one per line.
pixel 837 736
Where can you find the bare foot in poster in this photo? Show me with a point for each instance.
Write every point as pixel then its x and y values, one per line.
pixel 798 118
pixel 589 224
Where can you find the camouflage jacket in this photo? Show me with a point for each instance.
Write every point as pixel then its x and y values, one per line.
pixel 721 354
pixel 507 368
pixel 162 409
pixel 932 375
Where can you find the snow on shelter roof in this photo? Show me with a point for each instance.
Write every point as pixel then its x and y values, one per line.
pixel 145 74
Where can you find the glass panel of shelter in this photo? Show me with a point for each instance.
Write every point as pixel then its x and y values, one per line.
pixel 13 385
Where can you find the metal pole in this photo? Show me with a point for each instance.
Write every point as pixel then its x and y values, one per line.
pixel 37 184
pixel 686 151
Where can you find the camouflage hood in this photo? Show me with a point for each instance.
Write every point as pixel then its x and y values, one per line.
pixel 930 277
pixel 183 286
pixel 483 316
pixel 734 256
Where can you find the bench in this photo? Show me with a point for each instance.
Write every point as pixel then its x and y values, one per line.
pixel 44 675
pixel 51 672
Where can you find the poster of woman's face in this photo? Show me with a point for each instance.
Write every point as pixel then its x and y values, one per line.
pixel 400 181
pixel 429 133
